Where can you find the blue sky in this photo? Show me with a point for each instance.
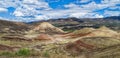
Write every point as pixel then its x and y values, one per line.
pixel 33 10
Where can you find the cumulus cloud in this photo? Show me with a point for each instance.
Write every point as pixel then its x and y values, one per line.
pixel 98 16
pixel 78 15
pixel 31 7
pixel 3 10
pixel 85 11
pixel 9 3
pixel 41 17
pixel 71 5
pixel 18 13
pixel 115 7
pixel 112 13
pixel 93 6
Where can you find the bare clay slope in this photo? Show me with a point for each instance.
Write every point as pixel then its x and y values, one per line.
pixel 46 27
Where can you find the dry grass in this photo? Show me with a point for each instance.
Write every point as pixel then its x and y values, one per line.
pixel 100 42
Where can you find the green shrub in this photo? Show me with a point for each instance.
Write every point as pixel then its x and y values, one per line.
pixel 46 54
pixel 23 52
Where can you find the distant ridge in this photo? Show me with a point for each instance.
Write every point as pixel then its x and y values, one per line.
pixel 113 17
pixel 10 26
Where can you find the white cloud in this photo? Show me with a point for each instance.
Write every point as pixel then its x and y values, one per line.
pixel 98 16
pixel 71 6
pixel 9 3
pixel 115 7
pixel 84 1
pixel 76 12
pixel 78 15
pixel 30 1
pixel 93 6
pixel 18 13
pixel 29 7
pixel 36 3
pixel 91 15
pixel 112 13
pixel 3 10
pixel 84 11
pixel 41 17
pixel 110 1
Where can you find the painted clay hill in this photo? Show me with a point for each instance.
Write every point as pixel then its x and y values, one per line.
pixel 91 32
pixel 46 27
pixel 12 27
pixel 95 47
pixel 103 32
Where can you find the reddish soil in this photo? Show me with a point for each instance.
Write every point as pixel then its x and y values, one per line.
pixel 72 35
pixel 78 46
pixel 43 37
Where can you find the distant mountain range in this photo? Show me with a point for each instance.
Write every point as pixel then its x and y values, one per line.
pixel 77 23
pixel 113 17
pixel 77 19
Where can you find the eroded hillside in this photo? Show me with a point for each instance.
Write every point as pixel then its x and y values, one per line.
pixel 44 40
